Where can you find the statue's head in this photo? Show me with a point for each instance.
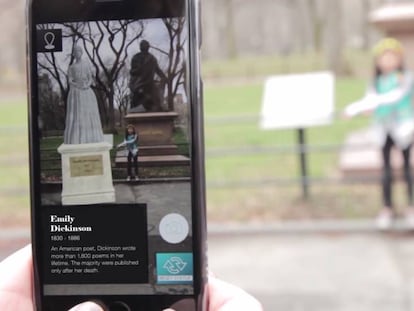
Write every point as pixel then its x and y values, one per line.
pixel 144 46
pixel 77 52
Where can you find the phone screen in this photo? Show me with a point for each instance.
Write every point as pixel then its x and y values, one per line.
pixel 112 145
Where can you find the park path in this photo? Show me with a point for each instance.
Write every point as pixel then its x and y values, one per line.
pixel 330 270
pixel 318 272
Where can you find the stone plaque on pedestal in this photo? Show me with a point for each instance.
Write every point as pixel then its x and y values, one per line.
pixel 154 128
pixel 157 147
pixel 86 174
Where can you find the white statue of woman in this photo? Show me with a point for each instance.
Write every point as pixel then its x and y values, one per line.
pixel 83 122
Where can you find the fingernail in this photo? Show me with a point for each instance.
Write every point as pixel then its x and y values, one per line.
pixel 87 306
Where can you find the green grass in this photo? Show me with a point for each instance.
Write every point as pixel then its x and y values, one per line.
pixel 357 63
pixel 267 202
pixel 246 100
pixel 14 176
pixel 13 113
pixel 51 164
pixel 270 202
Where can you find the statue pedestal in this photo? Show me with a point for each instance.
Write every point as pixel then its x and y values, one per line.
pixel 397 20
pixel 86 174
pixel 157 147
pixel 154 128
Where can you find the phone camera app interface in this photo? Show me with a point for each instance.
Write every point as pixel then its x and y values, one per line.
pixel 115 167
pixel 49 40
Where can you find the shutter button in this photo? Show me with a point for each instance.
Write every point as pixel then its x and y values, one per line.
pixel 119 306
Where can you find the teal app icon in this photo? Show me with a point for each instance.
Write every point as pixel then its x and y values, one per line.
pixel 174 268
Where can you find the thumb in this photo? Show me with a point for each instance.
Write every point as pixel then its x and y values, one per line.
pixel 87 306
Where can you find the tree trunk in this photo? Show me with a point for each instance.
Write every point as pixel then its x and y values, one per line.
pixel 230 31
pixel 317 24
pixel 366 29
pixel 298 13
pixel 170 96
pixel 111 111
pixel 334 37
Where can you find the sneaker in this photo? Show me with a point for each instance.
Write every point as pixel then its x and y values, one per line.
pixel 129 178
pixel 384 219
pixel 409 218
pixel 136 178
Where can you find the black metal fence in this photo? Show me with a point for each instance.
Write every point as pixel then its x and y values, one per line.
pixel 239 151
pixel 301 150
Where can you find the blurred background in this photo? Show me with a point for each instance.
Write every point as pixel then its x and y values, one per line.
pixel 317 251
pixel 244 42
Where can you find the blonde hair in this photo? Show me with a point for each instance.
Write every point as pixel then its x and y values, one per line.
pixel 388 45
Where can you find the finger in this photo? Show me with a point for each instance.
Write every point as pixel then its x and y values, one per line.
pixel 16 281
pixel 87 306
pixel 224 296
pixel 240 304
pixel 16 271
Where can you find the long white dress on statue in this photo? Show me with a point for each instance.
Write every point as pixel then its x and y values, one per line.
pixel 83 122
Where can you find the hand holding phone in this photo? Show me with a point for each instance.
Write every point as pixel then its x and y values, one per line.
pixel 121 227
pixel 16 295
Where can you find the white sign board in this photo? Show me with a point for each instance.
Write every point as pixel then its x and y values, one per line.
pixel 298 101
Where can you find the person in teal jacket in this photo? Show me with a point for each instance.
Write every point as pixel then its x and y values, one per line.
pixel 131 145
pixel 390 99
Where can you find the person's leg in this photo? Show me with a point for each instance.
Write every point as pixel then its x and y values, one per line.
pixel 129 165
pixel 409 213
pixel 408 175
pixel 384 219
pixel 387 173
pixel 136 165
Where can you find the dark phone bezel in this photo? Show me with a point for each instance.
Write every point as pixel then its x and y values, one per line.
pixel 91 10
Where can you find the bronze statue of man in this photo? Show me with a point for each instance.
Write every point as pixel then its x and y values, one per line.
pixel 144 88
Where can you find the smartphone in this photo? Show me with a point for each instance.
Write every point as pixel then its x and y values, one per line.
pixel 116 154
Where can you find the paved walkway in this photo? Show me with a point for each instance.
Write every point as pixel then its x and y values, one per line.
pixel 360 270
pixel 341 272
pixel 175 198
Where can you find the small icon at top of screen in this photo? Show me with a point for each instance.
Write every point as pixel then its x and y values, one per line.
pixel 49 40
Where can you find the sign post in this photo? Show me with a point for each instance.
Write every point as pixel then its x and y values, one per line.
pixel 298 102
pixel 303 163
